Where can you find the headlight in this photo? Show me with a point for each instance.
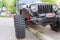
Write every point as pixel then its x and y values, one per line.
pixel 55 8
pixel 34 8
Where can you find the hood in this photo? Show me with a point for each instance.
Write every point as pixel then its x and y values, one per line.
pixel 28 1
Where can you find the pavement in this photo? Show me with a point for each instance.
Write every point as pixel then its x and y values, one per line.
pixel 52 34
pixel 7 30
pixel 49 34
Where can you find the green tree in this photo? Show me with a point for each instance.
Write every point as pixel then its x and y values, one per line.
pixel 49 1
pixel 1 3
pixel 10 5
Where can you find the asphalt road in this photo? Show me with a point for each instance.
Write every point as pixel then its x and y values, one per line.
pixel 7 30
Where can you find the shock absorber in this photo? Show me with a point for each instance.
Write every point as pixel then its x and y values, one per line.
pixel 28 20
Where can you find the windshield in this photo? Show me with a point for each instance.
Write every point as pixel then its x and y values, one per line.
pixel 28 1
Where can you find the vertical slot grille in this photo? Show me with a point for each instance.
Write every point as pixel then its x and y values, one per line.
pixel 45 8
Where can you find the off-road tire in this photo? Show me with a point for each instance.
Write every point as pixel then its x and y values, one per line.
pixel 19 26
pixel 55 26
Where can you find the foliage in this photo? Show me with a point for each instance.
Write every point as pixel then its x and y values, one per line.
pixel 1 3
pixel 10 5
pixel 49 1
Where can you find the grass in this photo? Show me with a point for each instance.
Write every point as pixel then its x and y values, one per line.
pixel 41 31
pixel 3 16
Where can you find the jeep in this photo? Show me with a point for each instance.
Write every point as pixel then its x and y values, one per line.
pixel 34 12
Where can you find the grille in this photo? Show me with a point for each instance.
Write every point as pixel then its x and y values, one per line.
pixel 45 8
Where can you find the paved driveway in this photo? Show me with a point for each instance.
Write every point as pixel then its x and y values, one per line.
pixel 49 34
pixel 7 30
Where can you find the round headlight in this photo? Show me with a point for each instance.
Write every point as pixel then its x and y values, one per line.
pixel 55 8
pixel 34 8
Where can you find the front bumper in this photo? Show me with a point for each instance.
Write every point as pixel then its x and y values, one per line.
pixel 49 20
pixel 44 20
